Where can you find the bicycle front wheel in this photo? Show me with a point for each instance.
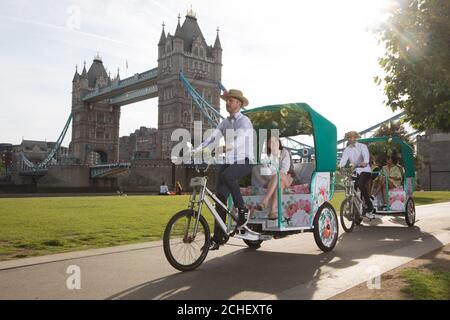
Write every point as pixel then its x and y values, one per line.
pixel 347 215
pixel 185 250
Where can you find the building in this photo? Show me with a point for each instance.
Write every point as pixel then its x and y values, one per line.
pixel 142 144
pixel 95 128
pixel 201 63
pixel 5 158
pixel 95 125
pixel 36 151
pixel 434 149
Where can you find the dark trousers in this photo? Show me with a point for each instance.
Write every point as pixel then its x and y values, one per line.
pixel 227 182
pixel 362 182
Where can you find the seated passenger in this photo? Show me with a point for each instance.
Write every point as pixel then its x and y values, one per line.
pixel 394 174
pixel 282 159
pixel 374 183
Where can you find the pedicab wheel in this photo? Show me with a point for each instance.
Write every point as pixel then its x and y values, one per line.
pixel 410 212
pixel 326 227
pixel 183 251
pixel 253 244
pixel 347 216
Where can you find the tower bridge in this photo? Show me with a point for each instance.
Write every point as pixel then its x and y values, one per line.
pixel 97 98
pixel 188 72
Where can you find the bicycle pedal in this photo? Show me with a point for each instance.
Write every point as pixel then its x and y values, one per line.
pixel 239 230
pixel 242 230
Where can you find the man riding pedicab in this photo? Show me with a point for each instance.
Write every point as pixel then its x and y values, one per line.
pixel 358 155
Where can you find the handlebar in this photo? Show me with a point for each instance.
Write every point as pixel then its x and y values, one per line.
pixel 347 171
pixel 199 165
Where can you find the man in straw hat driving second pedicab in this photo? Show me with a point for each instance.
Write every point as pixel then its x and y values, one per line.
pixel 358 155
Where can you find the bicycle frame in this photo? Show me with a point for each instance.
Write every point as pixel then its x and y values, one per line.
pixel 386 192
pixel 200 189
pixel 352 194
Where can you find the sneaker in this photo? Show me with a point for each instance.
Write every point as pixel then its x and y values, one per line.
pixel 243 217
pixel 368 209
pixel 213 245
pixel 369 215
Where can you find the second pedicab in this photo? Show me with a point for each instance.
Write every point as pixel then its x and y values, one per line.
pixel 397 201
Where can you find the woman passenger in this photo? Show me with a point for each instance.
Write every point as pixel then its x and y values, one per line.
pixel 282 159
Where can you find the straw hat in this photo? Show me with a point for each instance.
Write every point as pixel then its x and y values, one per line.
pixel 352 134
pixel 237 94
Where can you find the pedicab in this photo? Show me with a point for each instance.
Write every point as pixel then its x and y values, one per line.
pixel 303 207
pixel 397 201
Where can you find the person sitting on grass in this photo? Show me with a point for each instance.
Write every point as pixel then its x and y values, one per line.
pixel 178 188
pixel 163 189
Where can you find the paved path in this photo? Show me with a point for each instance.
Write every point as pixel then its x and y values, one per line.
pixel 289 268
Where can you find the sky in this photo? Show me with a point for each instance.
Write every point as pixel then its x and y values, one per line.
pixel 321 52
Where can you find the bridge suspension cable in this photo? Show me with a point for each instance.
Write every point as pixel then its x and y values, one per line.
pixel 51 156
pixel 209 112
pixel 398 116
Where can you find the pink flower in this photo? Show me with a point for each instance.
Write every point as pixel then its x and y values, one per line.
pixel 322 191
pixel 304 205
pixel 300 188
pixel 304 188
pixel 291 209
pixel 307 207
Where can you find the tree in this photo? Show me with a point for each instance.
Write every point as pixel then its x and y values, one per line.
pixel 417 62
pixel 394 129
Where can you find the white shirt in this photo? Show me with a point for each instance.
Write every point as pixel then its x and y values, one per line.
pixel 238 133
pixel 163 189
pixel 356 154
pixel 282 161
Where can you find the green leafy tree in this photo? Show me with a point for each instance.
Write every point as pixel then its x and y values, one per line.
pixel 394 129
pixel 417 62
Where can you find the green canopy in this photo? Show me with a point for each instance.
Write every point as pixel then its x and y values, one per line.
pixel 293 119
pixel 407 152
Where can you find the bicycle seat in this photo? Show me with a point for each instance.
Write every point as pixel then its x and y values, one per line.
pixel 198 182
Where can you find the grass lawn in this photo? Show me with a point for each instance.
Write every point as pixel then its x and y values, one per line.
pixel 40 226
pixel 424 278
pixel 427 284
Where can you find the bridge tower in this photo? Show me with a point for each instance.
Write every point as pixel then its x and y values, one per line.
pixel 97 99
pixel 95 125
pixel 201 63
